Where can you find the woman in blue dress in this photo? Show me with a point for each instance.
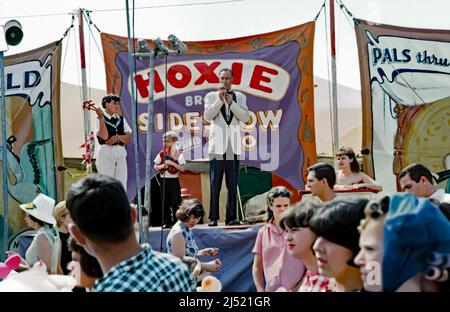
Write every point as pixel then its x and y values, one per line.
pixel 181 240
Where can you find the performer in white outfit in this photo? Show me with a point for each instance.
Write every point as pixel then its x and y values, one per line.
pixel 224 109
pixel 113 132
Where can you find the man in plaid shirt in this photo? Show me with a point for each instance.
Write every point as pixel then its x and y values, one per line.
pixel 103 225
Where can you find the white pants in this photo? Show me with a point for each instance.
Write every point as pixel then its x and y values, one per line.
pixel 112 161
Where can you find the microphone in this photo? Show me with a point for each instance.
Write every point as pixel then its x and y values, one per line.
pixel 162 49
pixel 61 168
pixel 177 45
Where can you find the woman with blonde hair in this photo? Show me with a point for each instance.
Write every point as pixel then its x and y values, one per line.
pixel 62 216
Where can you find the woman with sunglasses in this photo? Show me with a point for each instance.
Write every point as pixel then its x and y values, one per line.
pixel 349 176
pixel 337 242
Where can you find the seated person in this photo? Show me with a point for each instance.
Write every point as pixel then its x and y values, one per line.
pixel 349 176
pixel 181 240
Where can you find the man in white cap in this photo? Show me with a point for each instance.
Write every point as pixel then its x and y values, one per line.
pixel 169 162
pixel 113 133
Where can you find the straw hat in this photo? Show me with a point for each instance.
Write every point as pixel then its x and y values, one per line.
pixel 41 208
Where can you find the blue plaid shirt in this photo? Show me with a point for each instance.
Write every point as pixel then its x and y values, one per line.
pixel 147 271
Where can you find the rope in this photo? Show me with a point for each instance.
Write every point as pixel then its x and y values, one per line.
pixel 36 15
pixel 347 11
pixel 65 34
pixel 320 10
pixel 100 52
pixel 170 5
pixel 89 19
pixel 65 54
pixel 407 83
pixel 123 9
pixel 357 23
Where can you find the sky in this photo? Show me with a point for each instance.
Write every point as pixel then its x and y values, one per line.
pixel 229 19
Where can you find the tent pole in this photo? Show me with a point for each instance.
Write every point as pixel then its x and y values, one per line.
pixel 334 107
pixel 86 121
pixel 137 177
pixel 4 246
pixel 148 160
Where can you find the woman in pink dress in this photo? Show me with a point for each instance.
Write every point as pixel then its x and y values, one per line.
pixel 274 269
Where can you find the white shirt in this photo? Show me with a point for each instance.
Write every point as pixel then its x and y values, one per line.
pixel 126 126
pixel 441 196
pixel 167 174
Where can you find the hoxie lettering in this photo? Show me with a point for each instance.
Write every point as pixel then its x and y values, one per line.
pixel 255 77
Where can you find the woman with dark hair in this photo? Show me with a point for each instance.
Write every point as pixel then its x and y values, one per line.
pixel 272 264
pixel 338 241
pixel 84 267
pixel 349 176
pixel 300 240
pixel 181 240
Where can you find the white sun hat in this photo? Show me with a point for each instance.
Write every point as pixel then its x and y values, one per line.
pixel 41 208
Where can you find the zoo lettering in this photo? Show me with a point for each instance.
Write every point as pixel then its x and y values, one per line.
pixel 393 55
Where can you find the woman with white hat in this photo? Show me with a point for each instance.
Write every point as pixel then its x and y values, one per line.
pixel 46 244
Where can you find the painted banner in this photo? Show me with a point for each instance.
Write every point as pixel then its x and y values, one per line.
pixel 33 127
pixel 405 81
pixel 273 70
